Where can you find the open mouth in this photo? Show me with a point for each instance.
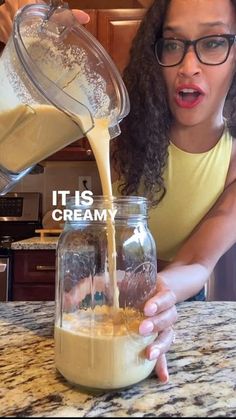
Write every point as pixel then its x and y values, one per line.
pixel 188 97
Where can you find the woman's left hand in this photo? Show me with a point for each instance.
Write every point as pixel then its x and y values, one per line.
pixel 161 314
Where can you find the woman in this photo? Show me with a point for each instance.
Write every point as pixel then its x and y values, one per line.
pixel 177 145
pixel 177 142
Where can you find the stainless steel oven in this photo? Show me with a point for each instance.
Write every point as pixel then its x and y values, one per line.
pixel 20 207
pixel 20 216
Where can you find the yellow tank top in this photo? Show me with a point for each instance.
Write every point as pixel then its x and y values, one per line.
pixel 193 183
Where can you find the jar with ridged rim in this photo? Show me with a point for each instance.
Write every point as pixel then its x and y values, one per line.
pixel 106 271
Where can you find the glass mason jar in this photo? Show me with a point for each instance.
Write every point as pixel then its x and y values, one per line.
pixel 106 271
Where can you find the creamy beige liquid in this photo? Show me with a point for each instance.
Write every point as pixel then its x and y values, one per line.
pixel 104 354
pixel 99 140
pixel 29 134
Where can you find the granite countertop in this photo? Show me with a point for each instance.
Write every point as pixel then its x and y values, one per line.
pixel 36 243
pixel 202 367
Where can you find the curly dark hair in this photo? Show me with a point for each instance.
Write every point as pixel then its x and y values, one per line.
pixel 141 151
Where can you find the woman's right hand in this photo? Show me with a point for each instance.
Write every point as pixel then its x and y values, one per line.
pixel 9 9
pixel 161 314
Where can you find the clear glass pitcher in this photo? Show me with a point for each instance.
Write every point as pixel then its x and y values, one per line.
pixel 55 81
pixel 106 271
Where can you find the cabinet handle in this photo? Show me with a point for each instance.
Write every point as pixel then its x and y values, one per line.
pixel 45 268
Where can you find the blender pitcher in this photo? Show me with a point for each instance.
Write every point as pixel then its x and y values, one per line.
pixel 55 80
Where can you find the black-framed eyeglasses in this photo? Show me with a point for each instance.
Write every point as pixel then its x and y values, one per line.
pixel 210 50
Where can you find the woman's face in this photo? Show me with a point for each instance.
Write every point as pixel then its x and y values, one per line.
pixel 196 91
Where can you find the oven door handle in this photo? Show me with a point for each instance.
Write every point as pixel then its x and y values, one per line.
pixel 3 267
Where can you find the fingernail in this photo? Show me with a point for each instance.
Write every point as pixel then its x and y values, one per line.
pixel 150 309
pixel 146 327
pixel 165 379
pixel 154 353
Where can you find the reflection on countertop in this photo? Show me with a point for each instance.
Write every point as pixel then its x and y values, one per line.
pixel 202 366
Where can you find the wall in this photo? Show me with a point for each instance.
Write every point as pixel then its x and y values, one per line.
pixel 59 176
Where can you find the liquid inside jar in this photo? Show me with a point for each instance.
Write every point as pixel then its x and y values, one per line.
pixel 102 354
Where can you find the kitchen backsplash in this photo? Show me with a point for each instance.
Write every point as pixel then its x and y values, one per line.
pixel 59 176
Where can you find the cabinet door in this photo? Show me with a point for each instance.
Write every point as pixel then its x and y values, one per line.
pixel 34 275
pixel 116 30
pixel 34 266
pixel 79 150
pixel 34 292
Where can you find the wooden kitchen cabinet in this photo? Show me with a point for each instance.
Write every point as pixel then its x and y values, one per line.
pixel 79 150
pixel 115 30
pixel 34 275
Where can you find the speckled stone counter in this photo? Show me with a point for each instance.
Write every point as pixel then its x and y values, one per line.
pixel 36 243
pixel 202 366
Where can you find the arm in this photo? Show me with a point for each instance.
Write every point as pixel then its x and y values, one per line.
pixel 190 270
pixel 196 259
